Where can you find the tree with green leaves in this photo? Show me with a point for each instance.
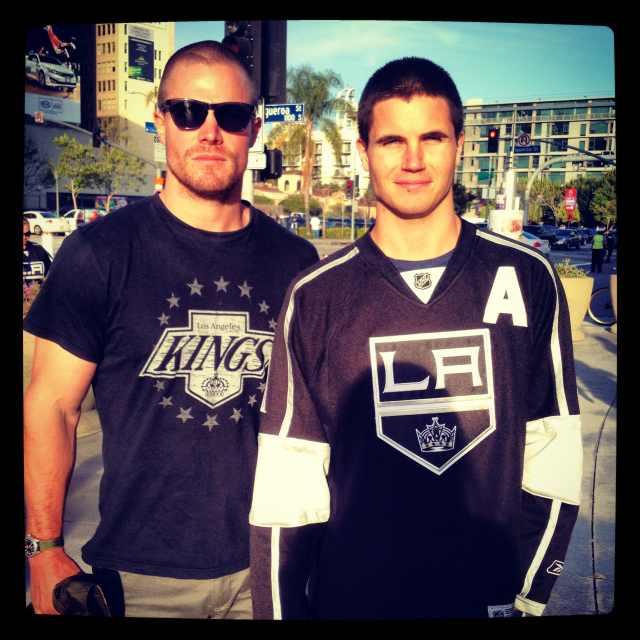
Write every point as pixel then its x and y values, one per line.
pixel 117 169
pixel 314 90
pixel 76 165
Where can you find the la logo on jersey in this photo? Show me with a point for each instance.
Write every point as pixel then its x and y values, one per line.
pixel 215 353
pixel 433 394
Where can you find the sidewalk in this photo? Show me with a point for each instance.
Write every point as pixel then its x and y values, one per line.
pixel 586 584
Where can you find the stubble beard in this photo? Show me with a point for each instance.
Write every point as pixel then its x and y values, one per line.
pixel 207 183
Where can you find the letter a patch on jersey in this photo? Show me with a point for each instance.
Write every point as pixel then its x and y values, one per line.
pixel 433 394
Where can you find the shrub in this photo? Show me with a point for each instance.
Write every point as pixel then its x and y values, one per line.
pixel 565 270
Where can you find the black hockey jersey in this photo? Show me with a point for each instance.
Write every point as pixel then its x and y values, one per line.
pixel 417 460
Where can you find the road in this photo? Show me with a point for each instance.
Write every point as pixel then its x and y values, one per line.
pixel 578 257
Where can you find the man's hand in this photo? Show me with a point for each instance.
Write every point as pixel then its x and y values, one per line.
pixel 47 569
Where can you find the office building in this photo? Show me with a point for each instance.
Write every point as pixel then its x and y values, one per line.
pixel 586 124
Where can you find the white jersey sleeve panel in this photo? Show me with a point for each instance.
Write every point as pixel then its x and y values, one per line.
pixel 291 487
pixel 553 458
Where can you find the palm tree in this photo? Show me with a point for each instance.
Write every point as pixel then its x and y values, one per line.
pixel 313 89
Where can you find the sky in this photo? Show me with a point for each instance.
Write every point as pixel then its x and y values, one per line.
pixel 497 62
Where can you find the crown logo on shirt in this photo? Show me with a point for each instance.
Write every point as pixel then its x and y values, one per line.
pixel 436 437
pixel 422 280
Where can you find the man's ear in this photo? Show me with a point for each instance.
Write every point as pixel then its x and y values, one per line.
pixel 158 117
pixel 362 150
pixel 256 125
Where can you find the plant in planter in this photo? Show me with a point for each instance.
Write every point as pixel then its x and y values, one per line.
pixel 29 293
pixel 566 270
pixel 578 288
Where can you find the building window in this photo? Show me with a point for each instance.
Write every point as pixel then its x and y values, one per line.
pixel 521 162
pixel 538 129
pixel 560 129
pixel 597 144
pixel 598 126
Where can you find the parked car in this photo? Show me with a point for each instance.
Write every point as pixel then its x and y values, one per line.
pixel 78 217
pixel 584 236
pixel 46 222
pixel 566 239
pixel 538 243
pixel 544 231
pixel 48 71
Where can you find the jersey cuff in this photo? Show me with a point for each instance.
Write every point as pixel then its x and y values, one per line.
pixel 529 606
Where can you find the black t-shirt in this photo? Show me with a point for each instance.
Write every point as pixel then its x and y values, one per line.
pixel 180 322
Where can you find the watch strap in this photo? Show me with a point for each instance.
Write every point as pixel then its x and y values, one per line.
pixel 45 545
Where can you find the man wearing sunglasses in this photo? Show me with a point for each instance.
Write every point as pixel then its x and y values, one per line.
pixel 168 308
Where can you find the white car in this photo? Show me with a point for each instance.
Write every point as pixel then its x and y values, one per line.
pixel 538 243
pixel 46 222
pixel 78 217
pixel 49 72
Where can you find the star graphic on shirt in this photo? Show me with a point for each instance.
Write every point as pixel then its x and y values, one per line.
pixel 237 414
pixel 159 385
pixel 245 288
pixel 173 301
pixel 221 284
pixel 185 414
pixel 263 307
pixel 272 324
pixel 262 386
pixel 211 422
pixel 166 402
pixel 252 400
pixel 195 287
pixel 164 319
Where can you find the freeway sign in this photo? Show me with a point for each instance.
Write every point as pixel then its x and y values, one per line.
pixel 283 112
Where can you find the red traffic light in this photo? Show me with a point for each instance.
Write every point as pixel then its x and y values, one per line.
pixel 493 141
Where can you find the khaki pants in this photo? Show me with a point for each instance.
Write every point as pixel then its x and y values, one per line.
pixel 228 597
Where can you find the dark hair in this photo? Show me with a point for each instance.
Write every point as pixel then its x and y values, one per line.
pixel 206 52
pixel 404 79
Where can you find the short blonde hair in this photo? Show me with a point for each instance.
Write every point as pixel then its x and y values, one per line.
pixel 207 52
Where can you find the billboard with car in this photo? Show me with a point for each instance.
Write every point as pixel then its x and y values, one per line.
pixel 52 72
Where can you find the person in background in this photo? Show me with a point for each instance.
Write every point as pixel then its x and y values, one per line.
pixel 167 307
pixel 609 241
pixel 36 260
pixel 597 251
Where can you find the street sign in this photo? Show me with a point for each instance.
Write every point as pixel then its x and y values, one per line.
pixel 530 149
pixel 257 161
pixel 570 200
pixel 283 113
pixel 524 140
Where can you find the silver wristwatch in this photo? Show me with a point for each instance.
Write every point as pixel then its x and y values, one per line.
pixel 33 546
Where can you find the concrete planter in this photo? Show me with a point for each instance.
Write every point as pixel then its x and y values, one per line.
pixel 89 422
pixel 613 285
pixel 578 292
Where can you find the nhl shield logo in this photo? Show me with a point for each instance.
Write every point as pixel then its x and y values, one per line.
pixel 433 394
pixel 422 280
pixel 214 354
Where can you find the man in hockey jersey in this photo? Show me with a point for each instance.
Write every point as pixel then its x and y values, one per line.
pixel 168 308
pixel 420 452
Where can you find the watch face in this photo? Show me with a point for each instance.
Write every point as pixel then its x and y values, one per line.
pixel 30 547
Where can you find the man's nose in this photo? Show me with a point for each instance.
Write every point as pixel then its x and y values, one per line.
pixel 210 130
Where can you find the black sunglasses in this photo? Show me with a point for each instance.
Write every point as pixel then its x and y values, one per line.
pixel 188 115
pixel 27 234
